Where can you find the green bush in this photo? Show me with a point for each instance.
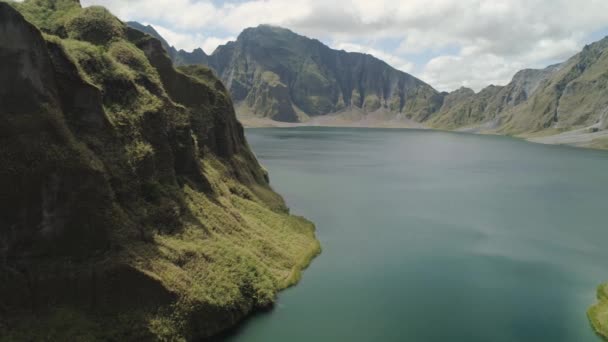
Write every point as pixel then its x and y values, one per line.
pixel 127 54
pixel 95 63
pixel 49 15
pixel 95 25
pixel 133 58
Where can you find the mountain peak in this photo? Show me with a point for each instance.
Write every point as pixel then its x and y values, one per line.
pixel 273 28
pixel 266 30
pixel 276 73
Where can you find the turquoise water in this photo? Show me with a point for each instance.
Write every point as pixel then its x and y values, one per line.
pixel 432 236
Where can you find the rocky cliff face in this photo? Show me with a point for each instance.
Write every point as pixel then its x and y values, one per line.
pixel 293 74
pixel 574 96
pixel 464 107
pixel 132 207
pixel 566 97
pixel 274 73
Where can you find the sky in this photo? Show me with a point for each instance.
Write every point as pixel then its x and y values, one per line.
pixel 446 43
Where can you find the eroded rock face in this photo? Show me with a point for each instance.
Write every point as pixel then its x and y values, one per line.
pixel 125 185
pixel 44 176
pixel 574 96
pixel 310 79
pixel 308 76
pixel 464 107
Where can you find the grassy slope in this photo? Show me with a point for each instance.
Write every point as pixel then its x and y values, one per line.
pixel 573 97
pixel 598 314
pixel 198 239
pixel 463 108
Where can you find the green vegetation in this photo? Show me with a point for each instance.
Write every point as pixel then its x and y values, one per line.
pixel 463 107
pixel 134 59
pixel 536 103
pixel 600 143
pixel 598 314
pixel 371 103
pixel 49 15
pixel 95 25
pixel 203 74
pixel 95 64
pixel 148 216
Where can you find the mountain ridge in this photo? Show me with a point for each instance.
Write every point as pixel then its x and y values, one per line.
pixel 327 80
pixel 276 75
pixel 179 57
pixel 132 207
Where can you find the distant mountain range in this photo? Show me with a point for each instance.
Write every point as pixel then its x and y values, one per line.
pixel 276 74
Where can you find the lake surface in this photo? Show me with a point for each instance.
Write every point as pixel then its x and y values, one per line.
pixel 433 236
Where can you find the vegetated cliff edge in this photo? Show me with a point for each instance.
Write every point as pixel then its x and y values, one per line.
pixel 278 77
pixel 598 313
pixel 131 207
pixel 179 57
pixel 276 74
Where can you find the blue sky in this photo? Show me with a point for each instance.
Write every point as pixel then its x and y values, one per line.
pixel 446 43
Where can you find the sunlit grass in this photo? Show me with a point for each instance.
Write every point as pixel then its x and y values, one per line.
pixel 598 314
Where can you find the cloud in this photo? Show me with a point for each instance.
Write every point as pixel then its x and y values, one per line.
pixel 211 43
pixel 190 41
pixel 464 42
pixel 184 41
pixel 178 14
pixel 476 66
pixel 447 73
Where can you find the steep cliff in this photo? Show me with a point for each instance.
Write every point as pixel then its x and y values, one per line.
pixel 465 108
pixel 132 207
pixel 564 103
pixel 274 73
pixel 278 73
pixel 574 96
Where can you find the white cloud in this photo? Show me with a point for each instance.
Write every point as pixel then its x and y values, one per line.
pixel 447 73
pixel 466 42
pixel 190 41
pixel 476 67
pixel 211 43
pixel 179 14
pixel 184 41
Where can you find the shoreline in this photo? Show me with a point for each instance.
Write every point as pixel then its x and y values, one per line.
pixel 578 138
pixel 598 313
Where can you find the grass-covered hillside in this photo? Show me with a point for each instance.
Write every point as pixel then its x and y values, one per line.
pixel 565 103
pixel 131 207
pixel 598 314
pixel 465 108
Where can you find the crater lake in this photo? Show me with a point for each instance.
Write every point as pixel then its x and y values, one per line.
pixel 431 236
